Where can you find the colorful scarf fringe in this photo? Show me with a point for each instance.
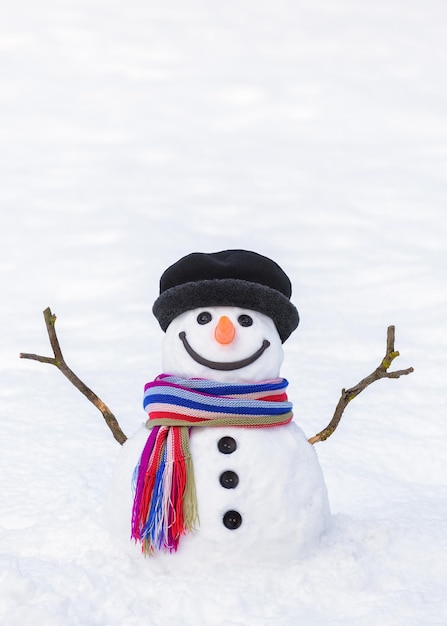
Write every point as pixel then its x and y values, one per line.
pixel 165 503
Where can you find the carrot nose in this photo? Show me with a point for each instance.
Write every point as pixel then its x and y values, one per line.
pixel 225 331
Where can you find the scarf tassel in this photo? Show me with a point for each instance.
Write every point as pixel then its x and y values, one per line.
pixel 165 502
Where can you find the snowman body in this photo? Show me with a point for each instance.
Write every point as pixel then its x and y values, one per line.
pixel 280 494
pixel 260 491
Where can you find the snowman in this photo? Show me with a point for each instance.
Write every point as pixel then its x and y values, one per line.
pixel 220 469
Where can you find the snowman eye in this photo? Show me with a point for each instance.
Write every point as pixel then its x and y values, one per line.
pixel 245 320
pixel 204 317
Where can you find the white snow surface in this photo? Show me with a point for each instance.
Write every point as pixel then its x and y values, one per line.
pixel 134 133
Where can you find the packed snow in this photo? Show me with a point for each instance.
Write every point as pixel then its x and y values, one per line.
pixel 275 494
pixel 132 134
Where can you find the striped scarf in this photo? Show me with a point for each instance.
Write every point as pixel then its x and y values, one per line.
pixel 165 503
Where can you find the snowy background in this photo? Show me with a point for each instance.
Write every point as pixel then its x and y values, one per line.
pixel 133 133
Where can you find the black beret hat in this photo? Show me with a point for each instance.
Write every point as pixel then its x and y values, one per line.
pixel 228 278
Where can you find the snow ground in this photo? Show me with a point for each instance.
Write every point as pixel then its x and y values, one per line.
pixel 312 132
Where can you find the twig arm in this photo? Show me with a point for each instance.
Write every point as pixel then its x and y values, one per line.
pixel 59 361
pixel 37 357
pixel 349 394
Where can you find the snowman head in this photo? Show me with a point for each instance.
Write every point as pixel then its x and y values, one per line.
pixel 226 315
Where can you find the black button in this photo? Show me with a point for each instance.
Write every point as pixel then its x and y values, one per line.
pixel 227 445
pixel 229 479
pixel 232 520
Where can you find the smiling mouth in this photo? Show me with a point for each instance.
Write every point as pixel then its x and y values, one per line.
pixel 219 365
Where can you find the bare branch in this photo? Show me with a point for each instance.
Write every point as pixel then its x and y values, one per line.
pixel 349 394
pixel 59 361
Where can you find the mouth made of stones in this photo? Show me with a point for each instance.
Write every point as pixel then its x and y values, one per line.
pixel 223 365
